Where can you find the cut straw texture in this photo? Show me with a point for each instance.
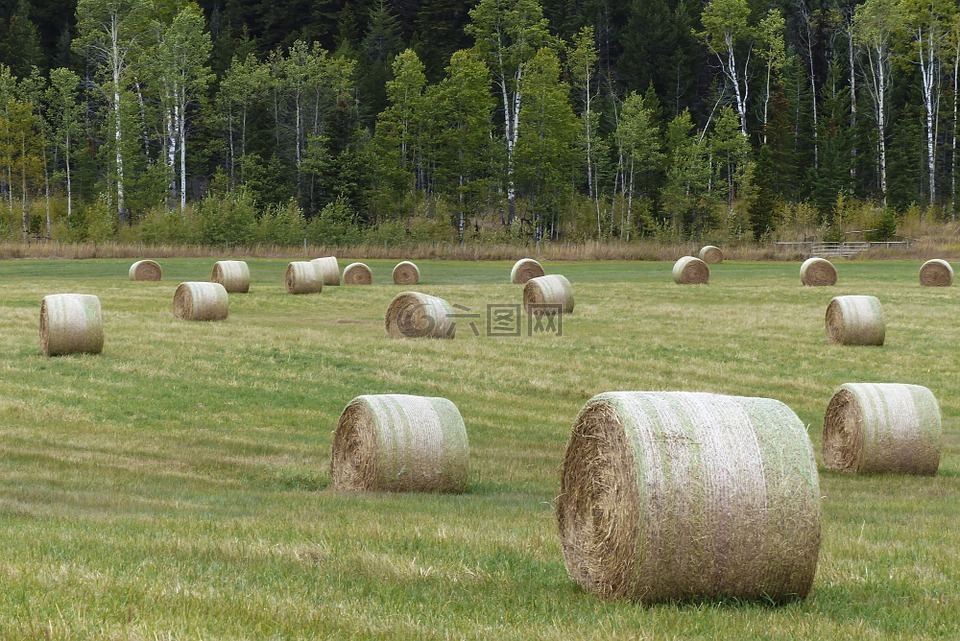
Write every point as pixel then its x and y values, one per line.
pixel 406 273
pixel 400 443
pixel 677 496
pixel 818 272
pixel 690 270
pixel 525 269
pixel 302 278
pixel 711 255
pixel 882 427
pixel 197 301
pixel 357 274
pixel 328 270
pixel 71 324
pixel 936 273
pixel 855 320
pixel 416 315
pixel 145 270
pixel 234 275
pixel 547 295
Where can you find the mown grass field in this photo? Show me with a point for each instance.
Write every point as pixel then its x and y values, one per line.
pixel 177 485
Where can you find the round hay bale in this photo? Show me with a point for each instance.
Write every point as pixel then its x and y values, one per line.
pixel 71 324
pixel 677 495
pixel 234 275
pixel 328 270
pixel 525 269
pixel 145 270
pixel 855 320
pixel 406 273
pixel 818 272
pixel 400 443
pixel 882 427
pixel 197 301
pixel 357 274
pixel 302 278
pixel 690 270
pixel 416 315
pixel 546 295
pixel 936 273
pixel 711 255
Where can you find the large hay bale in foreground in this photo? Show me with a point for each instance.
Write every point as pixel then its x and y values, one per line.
pixel 357 274
pixel 328 270
pixel 198 301
pixel 234 275
pixel 406 273
pixel 855 320
pixel 546 295
pixel 400 443
pixel 882 427
pixel 416 315
pixel 145 270
pixel 711 255
pixel 677 495
pixel 690 270
pixel 525 269
pixel 71 324
pixel 302 278
pixel 818 272
pixel 936 273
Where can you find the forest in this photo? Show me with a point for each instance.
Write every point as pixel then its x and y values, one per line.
pixel 388 121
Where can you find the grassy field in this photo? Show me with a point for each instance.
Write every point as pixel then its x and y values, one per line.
pixel 177 485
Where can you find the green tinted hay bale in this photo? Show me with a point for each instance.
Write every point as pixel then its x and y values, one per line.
pixel 71 324
pixel 676 495
pixel 416 315
pixel 357 274
pixel 197 301
pixel 882 427
pixel 711 255
pixel 690 270
pixel 936 273
pixel 145 270
pixel 546 295
pixel 328 270
pixel 525 269
pixel 400 443
pixel 406 273
pixel 855 320
pixel 818 272
pixel 234 275
pixel 302 278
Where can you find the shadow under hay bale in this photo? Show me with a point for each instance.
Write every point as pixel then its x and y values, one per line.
pixel 357 274
pixel 328 270
pixel 525 269
pixel 400 443
pixel 882 427
pixel 711 255
pixel 234 275
pixel 684 496
pixel 198 301
pixel 416 315
pixel 690 270
pixel 71 324
pixel 547 295
pixel 406 273
pixel 936 273
pixel 145 270
pixel 818 272
pixel 302 278
pixel 855 320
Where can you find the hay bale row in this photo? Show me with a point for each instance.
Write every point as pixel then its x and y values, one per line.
pixel 357 274
pixel 678 495
pixel 882 427
pixel 547 295
pixel 818 272
pixel 302 278
pixel 525 269
pixel 234 275
pixel 855 320
pixel 397 442
pixel 71 324
pixel 145 270
pixel 690 270
pixel 406 273
pixel 711 255
pixel 328 270
pixel 199 301
pixel 416 315
pixel 936 273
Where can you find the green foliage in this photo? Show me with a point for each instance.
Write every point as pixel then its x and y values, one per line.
pixel 229 219
pixel 336 224
pixel 283 226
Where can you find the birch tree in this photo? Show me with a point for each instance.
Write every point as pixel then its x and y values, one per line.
pixel 63 114
pixel 728 35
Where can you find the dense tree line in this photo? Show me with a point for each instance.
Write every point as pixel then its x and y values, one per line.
pixel 349 120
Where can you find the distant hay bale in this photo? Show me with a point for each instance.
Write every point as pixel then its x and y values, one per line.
pixel 546 295
pixel 882 427
pixel 145 270
pixel 936 273
pixel 234 275
pixel 818 272
pixel 302 278
pixel 855 320
pixel 416 315
pixel 690 270
pixel 71 324
pixel 197 301
pixel 406 273
pixel 327 270
pixel 711 255
pixel 400 443
pixel 676 495
pixel 357 274
pixel 525 269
